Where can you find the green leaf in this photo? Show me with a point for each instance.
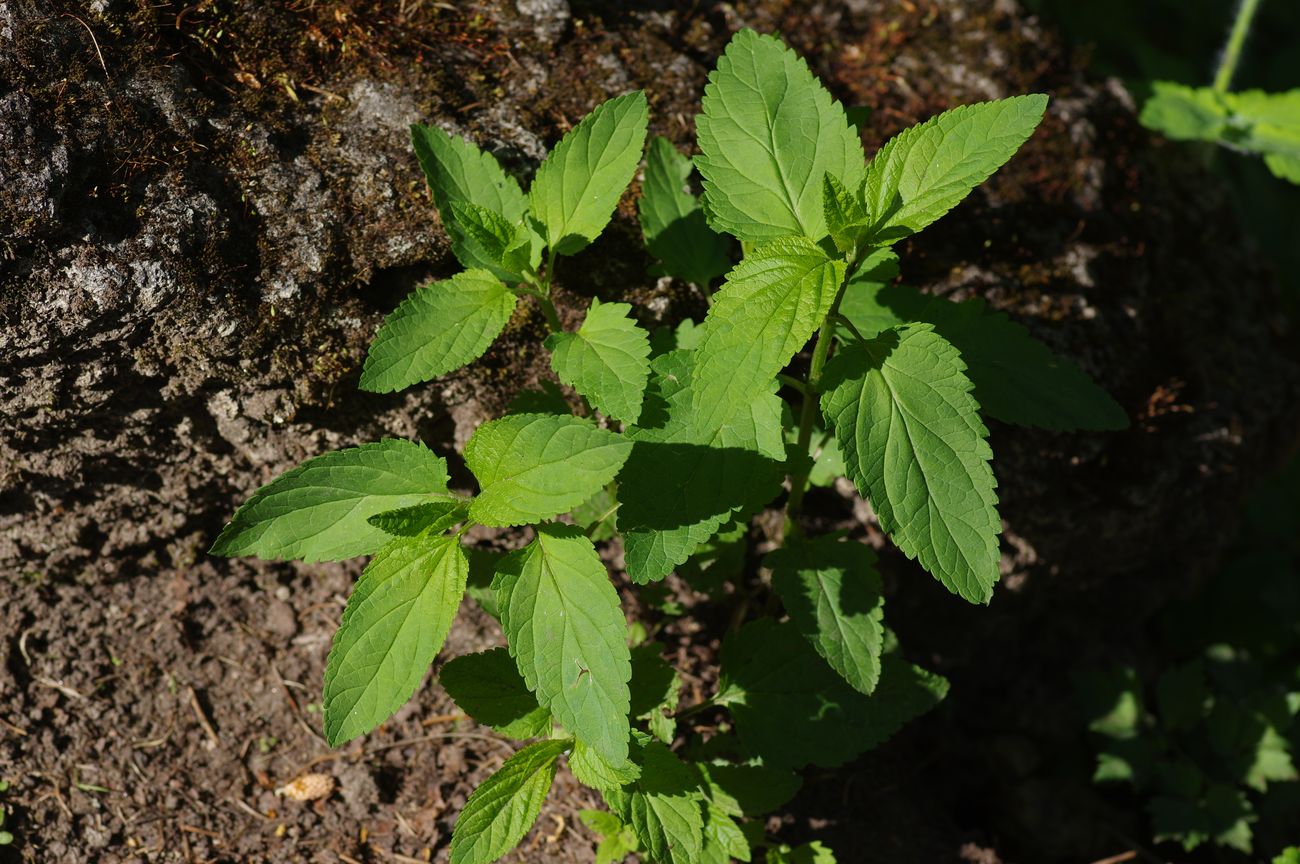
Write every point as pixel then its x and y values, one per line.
pixel 1284 167
pixel 394 625
pixel 913 442
pixel 749 790
pixel 923 172
pixel 770 305
pixel 773 682
pixel 1223 815
pixel 832 591
pixel 593 771
pixel 504 249
pixel 567 633
pixel 663 807
pixel 617 841
pixel 319 510
pixel 432 517
pixel 768 134
pixel 437 329
pixel 598 515
pixel 846 216
pixel 655 690
pixel 672 220
pixel 1184 113
pixel 535 466
pixel 482 569
pixel 578 186
pixel 488 687
pixel 809 853
pixel 724 842
pixel 460 173
pixel 1017 379
pixel 548 400
pixel 607 359
pixel 501 810
pixel 683 481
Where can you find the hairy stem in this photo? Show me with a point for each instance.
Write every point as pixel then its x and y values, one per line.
pixel 1236 42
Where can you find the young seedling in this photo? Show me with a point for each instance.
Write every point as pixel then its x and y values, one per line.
pixel 687 436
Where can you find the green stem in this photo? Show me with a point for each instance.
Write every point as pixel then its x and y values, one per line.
pixel 552 316
pixel 808 413
pixel 1236 42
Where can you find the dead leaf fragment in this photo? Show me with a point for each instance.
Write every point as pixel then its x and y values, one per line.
pixel 308 787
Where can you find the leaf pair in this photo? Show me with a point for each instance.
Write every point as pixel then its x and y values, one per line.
pixel 498 234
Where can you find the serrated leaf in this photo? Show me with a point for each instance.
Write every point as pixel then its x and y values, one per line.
pixel 431 517
pixel 672 220
pixel 593 771
pixel 832 591
pixel 768 133
pixel 394 625
pixel 923 172
pixel 598 515
pixel 607 359
pixel 567 633
pixel 617 841
pixel 1184 113
pixel 482 569
pixel 847 219
pixel 770 305
pixel 772 682
pixel 683 481
pixel 749 790
pixel 437 329
pixel 532 467
pixel 504 247
pixel 319 510
pixel 578 186
pixel 664 807
pixel 912 441
pixel 501 810
pixel 655 690
pixel 488 687
pixel 459 172
pixel 724 842
pixel 1017 379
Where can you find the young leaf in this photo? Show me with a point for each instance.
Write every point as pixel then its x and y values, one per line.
pixel 773 682
pixel 578 186
pixel 487 686
pixel 847 219
pixel 672 220
pixel 592 770
pixel 655 690
pixel 318 511
pixel 664 806
pixel 598 515
pixel 768 134
pixel 535 466
pixel 437 329
pixel 1185 113
pixel 394 625
pixel 683 481
pixel 912 440
pixel 771 303
pixel 505 249
pixel 607 360
pixel 832 591
pixel 482 570
pixel 460 173
pixel 429 518
pixel 1017 379
pixel 501 810
pixel 925 171
pixel 567 634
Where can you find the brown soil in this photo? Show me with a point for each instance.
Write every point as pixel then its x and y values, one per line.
pixel 205 209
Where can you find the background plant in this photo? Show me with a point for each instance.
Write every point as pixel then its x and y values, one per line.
pixel 682 439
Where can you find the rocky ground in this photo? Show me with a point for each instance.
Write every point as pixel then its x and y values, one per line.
pixel 206 209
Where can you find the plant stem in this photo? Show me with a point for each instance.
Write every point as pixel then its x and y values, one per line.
pixel 1236 41
pixel 552 317
pixel 808 413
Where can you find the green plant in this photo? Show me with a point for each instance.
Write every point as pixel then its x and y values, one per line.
pixel 1207 737
pixel 1250 121
pixel 682 438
